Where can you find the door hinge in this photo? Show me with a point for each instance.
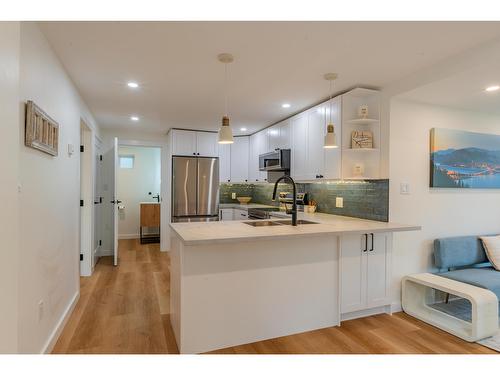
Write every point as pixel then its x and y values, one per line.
pixel 100 157
pixel 81 257
pixel 82 148
pixel 100 242
pixel 81 202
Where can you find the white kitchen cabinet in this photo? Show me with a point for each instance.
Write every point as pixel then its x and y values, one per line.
pixel 224 162
pixel 299 147
pixel 285 139
pixel 333 156
pixel 240 214
pixel 273 137
pixel 258 145
pixel 315 140
pixel 365 271
pixel 239 159
pixel 226 214
pixel 207 144
pixel 194 143
pixel 183 142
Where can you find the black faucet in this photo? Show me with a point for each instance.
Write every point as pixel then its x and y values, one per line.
pixel 294 205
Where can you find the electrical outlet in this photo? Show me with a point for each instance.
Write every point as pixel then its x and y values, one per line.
pixel 339 202
pixel 40 310
pixel 404 188
pixel 233 195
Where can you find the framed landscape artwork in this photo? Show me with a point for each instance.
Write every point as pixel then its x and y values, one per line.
pixel 461 159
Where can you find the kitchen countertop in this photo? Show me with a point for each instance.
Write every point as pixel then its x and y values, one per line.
pixel 228 231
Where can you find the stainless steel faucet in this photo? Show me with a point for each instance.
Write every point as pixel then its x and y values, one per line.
pixel 294 204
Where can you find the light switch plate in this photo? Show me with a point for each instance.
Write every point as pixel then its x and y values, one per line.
pixel 339 202
pixel 404 188
pixel 233 195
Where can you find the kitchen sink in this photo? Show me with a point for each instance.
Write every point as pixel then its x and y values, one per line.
pixel 262 223
pixel 299 222
pixel 269 223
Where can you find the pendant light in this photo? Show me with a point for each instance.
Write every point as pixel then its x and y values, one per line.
pixel 225 132
pixel 330 137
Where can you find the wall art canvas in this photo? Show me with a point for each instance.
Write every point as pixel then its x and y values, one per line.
pixel 461 159
pixel 41 132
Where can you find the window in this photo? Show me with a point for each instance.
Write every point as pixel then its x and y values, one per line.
pixel 126 161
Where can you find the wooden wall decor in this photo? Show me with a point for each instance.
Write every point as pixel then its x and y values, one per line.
pixel 41 132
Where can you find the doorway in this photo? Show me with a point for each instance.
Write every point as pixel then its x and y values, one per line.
pixel 139 190
pixel 86 200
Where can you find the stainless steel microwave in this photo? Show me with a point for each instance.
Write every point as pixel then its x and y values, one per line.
pixel 278 160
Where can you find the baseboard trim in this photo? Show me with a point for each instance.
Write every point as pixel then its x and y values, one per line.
pixel 365 313
pixel 130 236
pixel 51 342
pixel 105 253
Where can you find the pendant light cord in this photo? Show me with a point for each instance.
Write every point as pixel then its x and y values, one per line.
pixel 331 85
pixel 225 89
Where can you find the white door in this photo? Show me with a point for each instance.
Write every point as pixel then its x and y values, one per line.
pixel 353 270
pixel 115 200
pixel 378 266
pixel 183 142
pixel 206 144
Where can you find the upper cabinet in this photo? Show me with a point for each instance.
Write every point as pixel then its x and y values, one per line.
pixel 258 145
pixel 194 143
pixel 279 136
pixel 361 134
pixel 310 160
pixel 206 144
pixel 239 159
pixel 225 163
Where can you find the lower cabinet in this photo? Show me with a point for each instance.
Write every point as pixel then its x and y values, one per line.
pixel 365 271
pixel 226 214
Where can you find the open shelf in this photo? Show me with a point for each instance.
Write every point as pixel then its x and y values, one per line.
pixel 363 121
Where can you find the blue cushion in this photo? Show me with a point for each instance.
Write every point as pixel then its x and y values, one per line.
pixel 487 278
pixel 456 252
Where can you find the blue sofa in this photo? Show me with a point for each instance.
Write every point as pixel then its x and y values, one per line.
pixel 464 259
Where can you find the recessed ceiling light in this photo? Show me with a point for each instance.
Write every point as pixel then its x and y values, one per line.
pixel 492 88
pixel 133 85
pixel 134 118
pixel 285 105
pixel 243 129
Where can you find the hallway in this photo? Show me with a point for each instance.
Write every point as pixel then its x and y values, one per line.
pixel 125 309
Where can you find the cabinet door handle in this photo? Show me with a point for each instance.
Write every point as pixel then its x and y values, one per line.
pixel 366 243
pixel 372 241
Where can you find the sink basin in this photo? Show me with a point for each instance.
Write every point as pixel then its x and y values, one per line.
pixel 299 222
pixel 263 223
pixel 269 223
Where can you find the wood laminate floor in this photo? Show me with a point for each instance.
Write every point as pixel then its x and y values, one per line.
pixel 125 309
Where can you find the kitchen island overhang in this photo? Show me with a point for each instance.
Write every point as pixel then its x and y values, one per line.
pixel 230 287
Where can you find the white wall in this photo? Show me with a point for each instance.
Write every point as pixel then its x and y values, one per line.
pixel 134 185
pixel 49 202
pixel 9 153
pixel 440 212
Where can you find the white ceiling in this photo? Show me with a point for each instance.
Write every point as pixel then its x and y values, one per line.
pixel 275 62
pixel 465 90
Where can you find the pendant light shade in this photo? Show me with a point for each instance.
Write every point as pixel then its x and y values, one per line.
pixel 225 132
pixel 330 136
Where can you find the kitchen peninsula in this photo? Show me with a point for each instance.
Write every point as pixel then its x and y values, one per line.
pixel 234 283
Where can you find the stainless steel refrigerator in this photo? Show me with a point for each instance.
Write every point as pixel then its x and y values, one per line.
pixel 195 189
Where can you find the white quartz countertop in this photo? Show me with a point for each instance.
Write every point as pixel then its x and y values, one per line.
pixel 227 231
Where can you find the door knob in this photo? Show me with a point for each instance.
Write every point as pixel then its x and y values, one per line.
pixel 116 201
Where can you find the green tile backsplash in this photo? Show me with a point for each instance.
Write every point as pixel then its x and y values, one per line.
pixel 362 199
